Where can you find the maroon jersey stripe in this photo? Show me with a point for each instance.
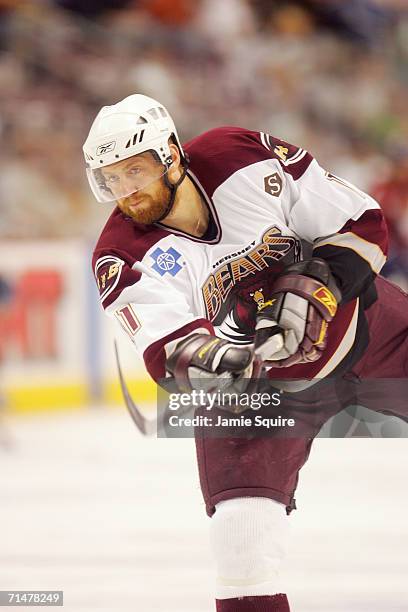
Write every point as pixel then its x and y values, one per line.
pixel 371 226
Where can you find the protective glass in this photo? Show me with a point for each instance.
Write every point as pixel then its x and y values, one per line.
pixel 110 184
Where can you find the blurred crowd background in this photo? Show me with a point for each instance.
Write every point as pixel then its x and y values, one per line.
pixel 330 75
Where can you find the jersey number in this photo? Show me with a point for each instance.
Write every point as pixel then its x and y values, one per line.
pixel 336 179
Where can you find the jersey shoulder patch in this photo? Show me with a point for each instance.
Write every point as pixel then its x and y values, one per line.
pixel 294 160
pixel 112 264
pixel 107 270
pixel 219 153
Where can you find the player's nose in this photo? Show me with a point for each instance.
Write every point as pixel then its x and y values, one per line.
pixel 129 184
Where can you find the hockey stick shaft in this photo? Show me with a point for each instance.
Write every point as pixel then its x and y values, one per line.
pixel 147 426
pixel 144 425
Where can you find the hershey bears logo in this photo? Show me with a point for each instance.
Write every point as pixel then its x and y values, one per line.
pixel 237 287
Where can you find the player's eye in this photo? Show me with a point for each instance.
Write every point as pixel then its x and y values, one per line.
pixel 134 171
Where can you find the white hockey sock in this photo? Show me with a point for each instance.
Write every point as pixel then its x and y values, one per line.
pixel 248 538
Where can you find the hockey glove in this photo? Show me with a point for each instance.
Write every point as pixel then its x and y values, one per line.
pixel 291 327
pixel 206 362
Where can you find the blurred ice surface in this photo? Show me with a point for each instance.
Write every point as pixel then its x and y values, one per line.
pixel 117 521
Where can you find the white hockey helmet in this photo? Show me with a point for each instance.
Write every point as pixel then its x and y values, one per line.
pixel 134 125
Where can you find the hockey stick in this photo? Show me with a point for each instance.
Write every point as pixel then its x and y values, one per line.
pixel 149 426
pixel 146 426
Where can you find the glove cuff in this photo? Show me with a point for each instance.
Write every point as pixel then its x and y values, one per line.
pixel 318 269
pixel 208 354
pixel 312 290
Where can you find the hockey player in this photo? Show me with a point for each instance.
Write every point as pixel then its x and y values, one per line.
pixel 201 264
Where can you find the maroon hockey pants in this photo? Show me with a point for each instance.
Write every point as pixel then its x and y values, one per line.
pixel 269 466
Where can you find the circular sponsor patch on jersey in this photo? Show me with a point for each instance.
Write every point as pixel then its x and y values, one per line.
pixel 166 261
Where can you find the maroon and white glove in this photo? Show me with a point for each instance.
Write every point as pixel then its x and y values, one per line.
pixel 202 361
pixel 291 327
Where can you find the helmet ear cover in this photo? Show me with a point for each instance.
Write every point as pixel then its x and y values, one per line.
pixel 184 158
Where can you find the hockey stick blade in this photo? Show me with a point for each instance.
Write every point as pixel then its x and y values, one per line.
pixel 146 426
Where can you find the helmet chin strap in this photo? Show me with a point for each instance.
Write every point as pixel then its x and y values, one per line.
pixel 173 190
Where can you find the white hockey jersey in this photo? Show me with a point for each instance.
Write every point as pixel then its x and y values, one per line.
pixel 266 199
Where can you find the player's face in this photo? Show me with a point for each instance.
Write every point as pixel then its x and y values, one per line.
pixel 138 186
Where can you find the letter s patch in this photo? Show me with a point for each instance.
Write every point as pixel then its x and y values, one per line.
pixel 273 184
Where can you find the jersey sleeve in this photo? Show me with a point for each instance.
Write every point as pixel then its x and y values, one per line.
pixel 345 225
pixel 150 309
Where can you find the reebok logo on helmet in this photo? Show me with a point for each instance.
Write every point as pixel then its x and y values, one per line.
pixel 106 148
